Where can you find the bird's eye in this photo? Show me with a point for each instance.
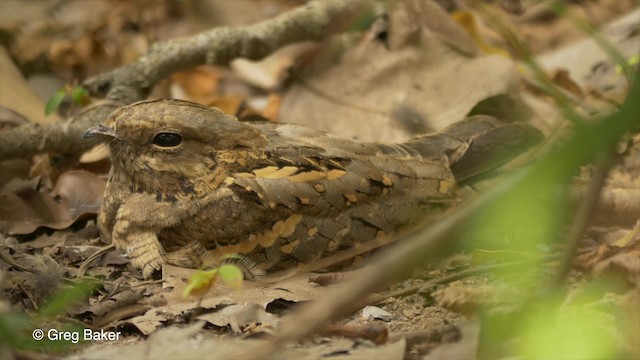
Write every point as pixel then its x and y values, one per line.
pixel 167 140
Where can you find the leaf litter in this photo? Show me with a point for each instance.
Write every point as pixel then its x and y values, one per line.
pixel 427 84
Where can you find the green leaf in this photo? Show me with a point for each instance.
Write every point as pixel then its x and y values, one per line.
pixel 569 332
pixel 200 282
pixel 68 297
pixel 80 95
pixel 54 102
pixel 231 275
pixel 233 256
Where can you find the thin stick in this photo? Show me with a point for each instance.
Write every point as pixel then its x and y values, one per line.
pixel 85 265
pixel 378 298
pixel 603 164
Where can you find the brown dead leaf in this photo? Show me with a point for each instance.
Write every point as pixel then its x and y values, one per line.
pixel 590 257
pixel 122 298
pixel 24 213
pixel 618 205
pixel 192 342
pixel 444 26
pixel 114 257
pixel 415 68
pixel 44 241
pixel 77 253
pixel 271 111
pixel 270 72
pixel 10 119
pixel 464 348
pixel 562 78
pixel 624 262
pixel 199 84
pixel 82 192
pixel 467 300
pixel 48 167
pixel 619 257
pixel 77 45
pixel 240 316
pixel 543 29
pixel 169 343
pixel 584 59
pixel 74 53
pixel 95 154
pixel 294 290
pixel 239 12
pixel 77 193
pixel 228 104
pixel 13 174
pixel 468 21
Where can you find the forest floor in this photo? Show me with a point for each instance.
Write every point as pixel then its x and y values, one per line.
pixel 466 302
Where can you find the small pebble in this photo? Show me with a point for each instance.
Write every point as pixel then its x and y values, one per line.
pixel 375 312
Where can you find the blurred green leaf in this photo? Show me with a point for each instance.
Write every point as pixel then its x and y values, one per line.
pixel 569 332
pixel 200 282
pixel 54 102
pixel 80 95
pixel 67 297
pixel 533 215
pixel 231 275
pixel 11 325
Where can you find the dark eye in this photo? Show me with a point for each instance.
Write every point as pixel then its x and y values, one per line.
pixel 167 139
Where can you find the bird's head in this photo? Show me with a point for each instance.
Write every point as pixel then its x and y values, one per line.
pixel 164 143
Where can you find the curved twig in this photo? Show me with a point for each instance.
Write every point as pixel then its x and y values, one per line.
pixel 312 22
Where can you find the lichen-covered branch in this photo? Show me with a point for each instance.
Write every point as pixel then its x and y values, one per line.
pixel 62 138
pixel 311 22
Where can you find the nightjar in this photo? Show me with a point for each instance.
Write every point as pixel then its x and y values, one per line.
pixel 190 184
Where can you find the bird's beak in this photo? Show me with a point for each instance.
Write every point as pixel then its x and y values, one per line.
pixel 99 129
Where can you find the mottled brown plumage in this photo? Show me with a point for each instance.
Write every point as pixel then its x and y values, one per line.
pixel 190 184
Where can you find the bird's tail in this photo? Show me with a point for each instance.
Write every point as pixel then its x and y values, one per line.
pixel 477 144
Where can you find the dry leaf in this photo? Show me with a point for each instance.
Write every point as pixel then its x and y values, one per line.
pixel 292 291
pixel 239 316
pixel 270 72
pixel 618 204
pixel 562 78
pixel 464 348
pixel 16 95
pixel 466 301
pixel 199 84
pixel 77 193
pixel 350 95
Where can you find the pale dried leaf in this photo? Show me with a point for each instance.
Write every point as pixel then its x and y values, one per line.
pixel 77 193
pixel 191 342
pixel 585 59
pixel 95 154
pixel 239 316
pixel 15 93
pixel 294 290
pixel 269 72
pixel 81 190
pixel 437 83
pixel 374 312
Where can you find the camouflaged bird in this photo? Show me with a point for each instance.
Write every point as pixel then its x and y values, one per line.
pixel 190 184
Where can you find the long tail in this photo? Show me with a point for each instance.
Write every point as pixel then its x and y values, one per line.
pixel 477 144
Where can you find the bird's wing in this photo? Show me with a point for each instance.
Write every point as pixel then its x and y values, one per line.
pixel 314 173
